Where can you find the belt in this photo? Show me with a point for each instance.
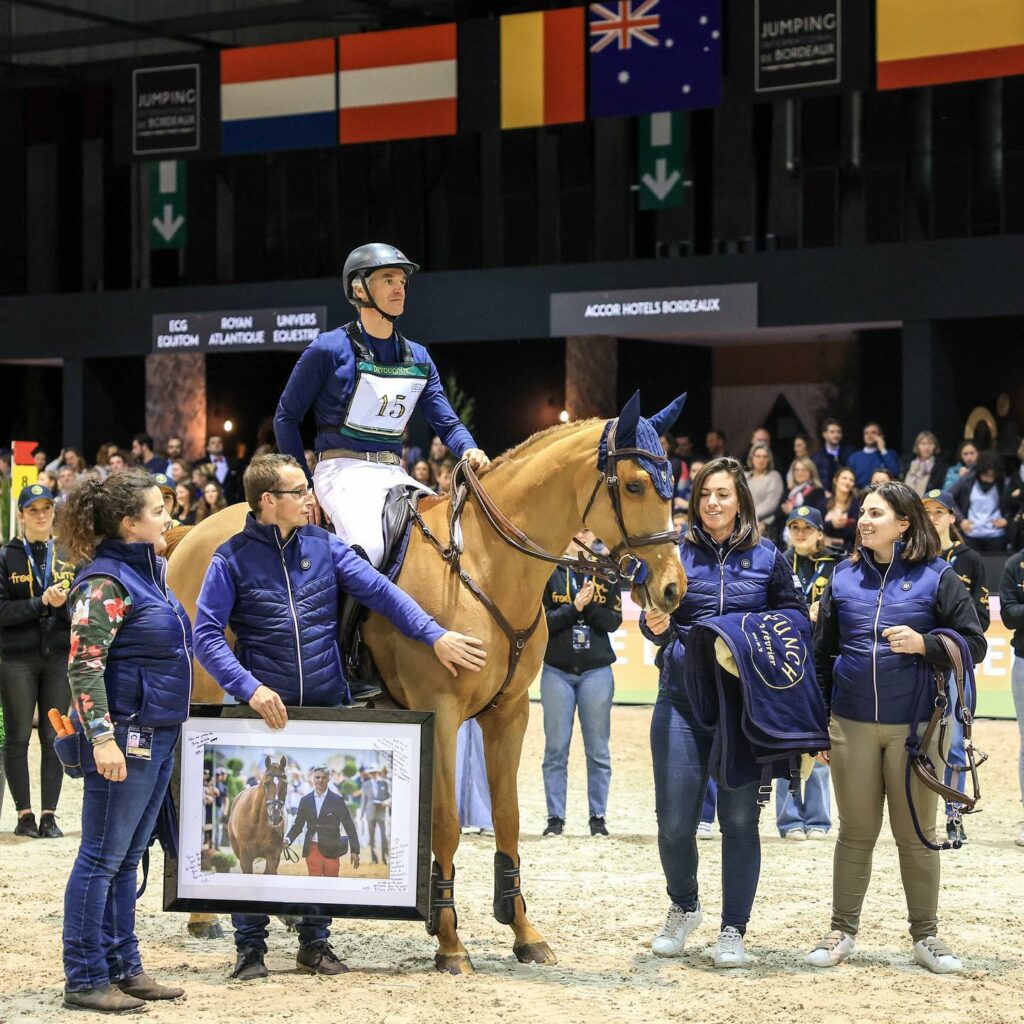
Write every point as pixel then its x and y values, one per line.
pixel 381 458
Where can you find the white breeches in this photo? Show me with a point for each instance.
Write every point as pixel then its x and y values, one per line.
pixel 352 493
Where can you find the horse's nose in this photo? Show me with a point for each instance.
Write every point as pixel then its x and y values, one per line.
pixel 671 595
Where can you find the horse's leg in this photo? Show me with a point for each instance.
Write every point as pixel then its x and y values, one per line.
pixel 503 728
pixel 245 860
pixel 451 956
pixel 273 859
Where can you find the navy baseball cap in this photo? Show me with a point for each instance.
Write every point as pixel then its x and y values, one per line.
pixel 806 514
pixel 944 498
pixel 33 493
pixel 165 483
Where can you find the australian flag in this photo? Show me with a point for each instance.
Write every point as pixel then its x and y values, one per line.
pixel 648 56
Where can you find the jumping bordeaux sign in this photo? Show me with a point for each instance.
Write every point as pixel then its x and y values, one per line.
pixel 238 329
pixel 646 311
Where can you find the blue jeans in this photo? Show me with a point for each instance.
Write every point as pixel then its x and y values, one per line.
pixel 251 931
pixel 681 752
pixel 1017 688
pixel 707 810
pixel 812 809
pixel 561 694
pixel 100 944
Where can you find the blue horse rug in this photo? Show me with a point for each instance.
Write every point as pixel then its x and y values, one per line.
pixel 750 678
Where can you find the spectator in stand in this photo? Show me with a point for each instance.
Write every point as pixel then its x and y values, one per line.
pixel 103 454
pixel 683 449
pixel 202 474
pixel 175 452
pixel 411 453
pixel 227 471
pixel 423 473
pixel 983 501
pixel 967 456
pixel 47 480
pixel 68 457
pixel 1011 611
pixel 684 488
pixel 184 507
pixel 40 458
pixel 804 487
pixel 143 454
pixel 67 478
pixel 444 477
pixel 766 487
pixel 213 500
pixel 880 476
pixel 842 510
pixel 874 455
pixel 438 455
pixel 801 447
pixel 116 462
pixel 715 444
pixel 832 454
pixel 1015 504
pixel 178 470
pixel 926 469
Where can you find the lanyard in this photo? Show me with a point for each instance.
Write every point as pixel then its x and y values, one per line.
pixel 43 579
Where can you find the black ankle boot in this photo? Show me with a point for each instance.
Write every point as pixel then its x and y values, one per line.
pixel 27 826
pixel 48 827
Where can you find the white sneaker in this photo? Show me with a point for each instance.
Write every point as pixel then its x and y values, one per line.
pixel 728 951
pixel 796 834
pixel 816 833
pixel 933 953
pixel 833 949
pixel 1020 838
pixel 678 925
pixel 705 830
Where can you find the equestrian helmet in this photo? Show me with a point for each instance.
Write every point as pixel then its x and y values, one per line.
pixel 373 256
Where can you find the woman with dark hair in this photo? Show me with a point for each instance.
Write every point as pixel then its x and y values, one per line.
pixel 423 473
pixel 184 504
pixel 872 637
pixel 842 510
pixel 131 679
pixel 212 501
pixel 966 456
pixel 983 502
pixel 729 568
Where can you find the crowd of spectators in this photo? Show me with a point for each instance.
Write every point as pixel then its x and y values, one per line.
pixel 830 476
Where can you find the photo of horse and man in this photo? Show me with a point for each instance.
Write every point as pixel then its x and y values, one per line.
pixel 323 813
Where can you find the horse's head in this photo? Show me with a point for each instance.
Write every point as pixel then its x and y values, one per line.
pixel 634 517
pixel 274 784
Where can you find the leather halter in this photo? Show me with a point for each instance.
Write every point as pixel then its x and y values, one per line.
pixel 922 765
pixel 611 568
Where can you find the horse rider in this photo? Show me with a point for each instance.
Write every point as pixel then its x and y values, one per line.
pixel 363 382
pixel 378 811
pixel 286 651
pixel 323 814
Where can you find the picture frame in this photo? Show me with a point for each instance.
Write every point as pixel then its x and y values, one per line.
pixel 240 789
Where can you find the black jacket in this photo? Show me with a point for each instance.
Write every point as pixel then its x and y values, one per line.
pixel 1011 599
pixel 334 816
pixel 970 568
pixel 811 574
pixel 27 626
pixel 603 616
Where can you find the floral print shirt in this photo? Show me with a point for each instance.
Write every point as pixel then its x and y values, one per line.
pixel 98 607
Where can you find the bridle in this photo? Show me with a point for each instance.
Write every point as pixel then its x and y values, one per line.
pixel 619 564
pixel 921 765
pixel 276 804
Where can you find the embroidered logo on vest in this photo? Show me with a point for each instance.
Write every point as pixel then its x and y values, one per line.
pixel 305 563
pixel 745 563
pixel 906 585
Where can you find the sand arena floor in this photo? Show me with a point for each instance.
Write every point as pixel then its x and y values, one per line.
pixel 598 902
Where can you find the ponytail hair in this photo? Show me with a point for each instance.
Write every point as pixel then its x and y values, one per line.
pixel 94 510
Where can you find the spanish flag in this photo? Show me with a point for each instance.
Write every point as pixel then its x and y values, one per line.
pixel 928 42
pixel 542 68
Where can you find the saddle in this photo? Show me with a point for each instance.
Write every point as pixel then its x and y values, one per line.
pixel 396 521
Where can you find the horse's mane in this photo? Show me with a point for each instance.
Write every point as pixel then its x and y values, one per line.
pixel 524 447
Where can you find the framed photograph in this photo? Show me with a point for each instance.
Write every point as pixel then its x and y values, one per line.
pixel 329 816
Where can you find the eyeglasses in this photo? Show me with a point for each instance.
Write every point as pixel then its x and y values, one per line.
pixel 298 493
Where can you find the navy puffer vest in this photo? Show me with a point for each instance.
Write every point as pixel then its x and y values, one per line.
pixel 871 682
pixel 148 676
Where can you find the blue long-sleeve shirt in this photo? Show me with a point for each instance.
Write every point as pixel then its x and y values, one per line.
pixel 281 600
pixel 323 380
pixel 867 460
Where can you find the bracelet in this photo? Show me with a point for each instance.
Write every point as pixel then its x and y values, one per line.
pixel 103 738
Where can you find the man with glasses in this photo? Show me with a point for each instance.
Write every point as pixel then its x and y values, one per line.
pixel 277 585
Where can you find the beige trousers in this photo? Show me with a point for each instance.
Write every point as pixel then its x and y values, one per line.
pixel 869 763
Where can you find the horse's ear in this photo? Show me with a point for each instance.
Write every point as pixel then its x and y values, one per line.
pixel 283 762
pixel 625 432
pixel 665 419
pixel 266 762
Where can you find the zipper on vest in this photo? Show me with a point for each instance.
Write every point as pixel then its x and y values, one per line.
pixel 721 573
pixel 295 615
pixel 162 587
pixel 878 615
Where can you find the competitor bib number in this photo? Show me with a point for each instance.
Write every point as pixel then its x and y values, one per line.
pixel 383 400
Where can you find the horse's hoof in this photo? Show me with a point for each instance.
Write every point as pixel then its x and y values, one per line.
pixel 206 930
pixel 535 953
pixel 454 963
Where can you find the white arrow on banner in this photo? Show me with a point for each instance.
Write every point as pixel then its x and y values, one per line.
pixel 168 224
pixel 661 183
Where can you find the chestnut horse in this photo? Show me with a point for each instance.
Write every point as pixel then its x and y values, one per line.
pixel 256 820
pixel 589 472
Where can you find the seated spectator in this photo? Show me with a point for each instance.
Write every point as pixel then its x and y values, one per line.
pixel 227 471
pixel 40 458
pixel 67 478
pixel 102 455
pixel 116 462
pixel 766 487
pixel 925 470
pixel 202 474
pixel 212 501
pixel 175 451
pixel 802 448
pixel 683 449
pixel 411 453
pixel 874 455
pixel 1015 505
pixel 47 480
pixel 680 522
pixel 967 456
pixel 444 476
pixel 184 507
pixel 144 456
pixel 715 443
pixel 438 454
pixel 832 454
pixel 804 487
pixel 761 435
pixel 423 473
pixel 880 476
pixel 684 487
pixel 982 501
pixel 178 470
pixel 68 457
pixel 842 510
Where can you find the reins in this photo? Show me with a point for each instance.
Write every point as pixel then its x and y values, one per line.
pixel 922 766
pixel 612 568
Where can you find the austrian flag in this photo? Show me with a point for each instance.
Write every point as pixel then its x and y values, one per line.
pixel 399 84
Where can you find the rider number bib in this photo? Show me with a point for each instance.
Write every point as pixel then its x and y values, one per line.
pixel 383 399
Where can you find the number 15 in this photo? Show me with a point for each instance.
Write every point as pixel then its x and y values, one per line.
pixel 397 412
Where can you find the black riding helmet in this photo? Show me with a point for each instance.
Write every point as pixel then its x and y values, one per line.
pixel 364 261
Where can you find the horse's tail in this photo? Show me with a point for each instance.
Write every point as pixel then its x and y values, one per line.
pixel 174 537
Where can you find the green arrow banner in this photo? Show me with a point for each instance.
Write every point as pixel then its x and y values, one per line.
pixel 168 205
pixel 662 145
